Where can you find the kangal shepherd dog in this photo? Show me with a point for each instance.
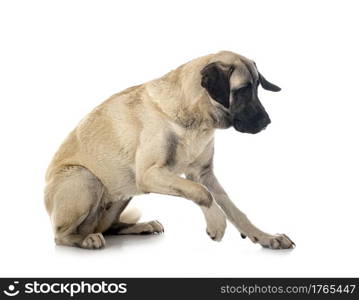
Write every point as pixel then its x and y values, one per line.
pixel 143 139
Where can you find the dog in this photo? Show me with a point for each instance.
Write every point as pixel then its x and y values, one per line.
pixel 143 139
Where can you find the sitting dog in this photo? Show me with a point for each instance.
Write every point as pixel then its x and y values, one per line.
pixel 143 139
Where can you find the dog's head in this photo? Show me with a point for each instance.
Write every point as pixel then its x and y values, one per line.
pixel 232 83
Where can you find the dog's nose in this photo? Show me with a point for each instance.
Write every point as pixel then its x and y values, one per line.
pixel 264 122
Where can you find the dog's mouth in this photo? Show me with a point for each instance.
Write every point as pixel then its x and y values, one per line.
pixel 253 125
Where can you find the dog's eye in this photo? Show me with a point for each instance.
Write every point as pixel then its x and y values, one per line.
pixel 244 90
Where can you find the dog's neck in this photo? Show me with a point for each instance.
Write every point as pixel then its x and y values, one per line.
pixel 180 96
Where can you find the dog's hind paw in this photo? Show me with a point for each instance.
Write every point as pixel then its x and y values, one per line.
pixel 93 241
pixel 152 227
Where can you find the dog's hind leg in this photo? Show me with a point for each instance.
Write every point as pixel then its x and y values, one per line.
pixel 152 227
pixel 127 223
pixel 72 200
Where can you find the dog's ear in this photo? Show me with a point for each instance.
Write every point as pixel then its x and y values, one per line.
pixel 268 85
pixel 216 81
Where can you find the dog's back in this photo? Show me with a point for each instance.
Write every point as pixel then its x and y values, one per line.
pixel 104 141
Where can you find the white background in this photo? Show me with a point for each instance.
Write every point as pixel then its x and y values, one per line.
pixel 59 59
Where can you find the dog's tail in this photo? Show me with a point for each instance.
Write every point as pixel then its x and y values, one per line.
pixel 130 215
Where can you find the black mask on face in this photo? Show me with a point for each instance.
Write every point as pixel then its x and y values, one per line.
pixel 247 113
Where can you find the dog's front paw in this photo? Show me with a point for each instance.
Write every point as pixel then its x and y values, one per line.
pixel 277 241
pixel 216 222
pixel 281 241
pixel 93 241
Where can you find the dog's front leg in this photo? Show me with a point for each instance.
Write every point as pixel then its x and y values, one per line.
pixel 162 181
pixel 206 177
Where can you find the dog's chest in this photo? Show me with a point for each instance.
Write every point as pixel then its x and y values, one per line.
pixel 191 145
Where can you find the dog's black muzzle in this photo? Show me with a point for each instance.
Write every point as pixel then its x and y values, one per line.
pixel 250 119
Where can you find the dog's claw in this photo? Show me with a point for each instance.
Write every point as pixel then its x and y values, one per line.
pixel 243 236
pixel 157 227
pixel 293 245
